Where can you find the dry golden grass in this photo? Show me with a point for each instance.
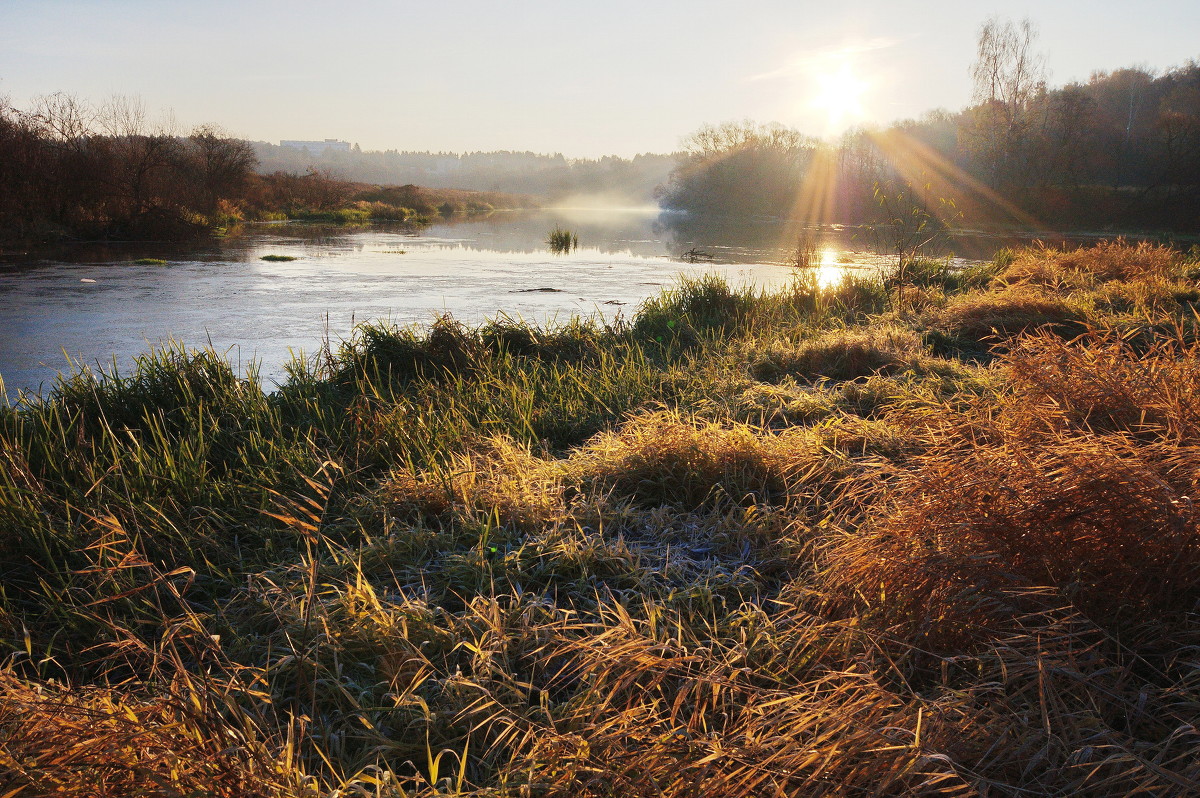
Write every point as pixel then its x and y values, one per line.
pixel 664 458
pixel 1080 479
pixel 1086 516
pixel 782 405
pixel 1002 313
pixel 496 478
pixel 1106 383
pixel 841 355
pixel 95 742
pixel 1108 260
pixel 931 578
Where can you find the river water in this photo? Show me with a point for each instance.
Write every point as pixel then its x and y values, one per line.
pixel 95 307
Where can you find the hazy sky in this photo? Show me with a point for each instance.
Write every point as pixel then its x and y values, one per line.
pixel 581 78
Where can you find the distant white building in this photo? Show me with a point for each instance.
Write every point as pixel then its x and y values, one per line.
pixel 316 147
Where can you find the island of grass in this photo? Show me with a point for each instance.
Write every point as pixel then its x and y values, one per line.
pixel 859 540
pixel 279 258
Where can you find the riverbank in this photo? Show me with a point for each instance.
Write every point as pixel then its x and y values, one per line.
pixel 901 539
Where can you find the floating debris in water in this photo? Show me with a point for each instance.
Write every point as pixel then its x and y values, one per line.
pixel 87 280
pixel 536 291
pixel 278 258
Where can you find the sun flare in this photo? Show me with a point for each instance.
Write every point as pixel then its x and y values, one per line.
pixel 839 94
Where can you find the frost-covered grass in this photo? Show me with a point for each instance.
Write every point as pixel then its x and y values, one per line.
pixel 810 542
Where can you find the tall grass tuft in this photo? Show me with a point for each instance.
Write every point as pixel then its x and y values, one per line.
pixel 561 242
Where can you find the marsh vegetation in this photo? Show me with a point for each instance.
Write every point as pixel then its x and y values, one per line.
pixel 809 541
pixel 562 241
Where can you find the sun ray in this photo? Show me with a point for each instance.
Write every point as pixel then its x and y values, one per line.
pixel 918 164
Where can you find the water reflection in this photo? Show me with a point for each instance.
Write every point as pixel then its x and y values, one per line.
pixel 95 305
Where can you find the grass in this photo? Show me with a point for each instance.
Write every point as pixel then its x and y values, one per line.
pixel 150 262
pixel 802 542
pixel 279 258
pixel 562 241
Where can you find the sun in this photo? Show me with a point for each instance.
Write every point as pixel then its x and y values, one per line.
pixel 839 94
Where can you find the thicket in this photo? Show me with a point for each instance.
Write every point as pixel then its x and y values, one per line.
pixel 808 542
pixel 71 170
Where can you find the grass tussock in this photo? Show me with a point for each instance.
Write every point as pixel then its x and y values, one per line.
pixel 808 542
pixel 562 241
pixel 1108 260
pixel 1106 383
pixel 842 355
pixel 89 741
pixel 664 459
pixel 999 314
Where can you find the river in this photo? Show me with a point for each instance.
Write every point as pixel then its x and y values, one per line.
pixel 95 307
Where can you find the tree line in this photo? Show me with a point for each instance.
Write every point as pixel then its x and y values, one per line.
pixel 69 169
pixel 1121 149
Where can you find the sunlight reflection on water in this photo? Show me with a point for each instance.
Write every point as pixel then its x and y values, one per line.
pixel 255 310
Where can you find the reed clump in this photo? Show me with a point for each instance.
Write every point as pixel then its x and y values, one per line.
pixel 562 241
pixel 744 543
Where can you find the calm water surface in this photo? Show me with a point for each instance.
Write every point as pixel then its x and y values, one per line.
pixel 95 307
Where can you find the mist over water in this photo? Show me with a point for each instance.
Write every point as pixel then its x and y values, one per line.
pixel 95 307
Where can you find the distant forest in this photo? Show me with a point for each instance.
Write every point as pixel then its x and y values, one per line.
pixel 1120 151
pixel 555 177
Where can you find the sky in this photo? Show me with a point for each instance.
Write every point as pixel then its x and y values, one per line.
pixel 586 79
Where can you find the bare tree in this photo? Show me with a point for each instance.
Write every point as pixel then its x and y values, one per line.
pixel 222 164
pixel 143 155
pixel 1008 74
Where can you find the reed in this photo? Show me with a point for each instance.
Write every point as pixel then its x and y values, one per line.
pixel 562 241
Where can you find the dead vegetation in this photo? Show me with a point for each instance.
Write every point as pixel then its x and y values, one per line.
pixel 597 562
